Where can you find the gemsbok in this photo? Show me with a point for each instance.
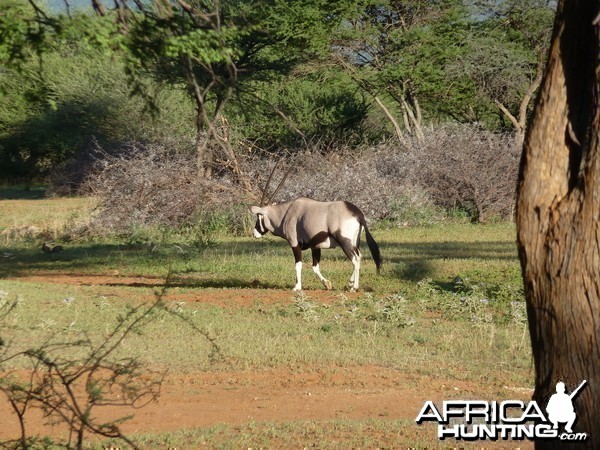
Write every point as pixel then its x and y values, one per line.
pixel 307 223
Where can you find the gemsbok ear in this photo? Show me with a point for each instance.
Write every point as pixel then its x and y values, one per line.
pixel 255 209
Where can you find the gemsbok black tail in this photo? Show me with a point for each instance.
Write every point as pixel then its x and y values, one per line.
pixel 373 247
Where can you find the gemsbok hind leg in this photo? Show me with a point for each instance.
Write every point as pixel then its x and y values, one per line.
pixel 353 254
pixel 316 255
pixel 355 273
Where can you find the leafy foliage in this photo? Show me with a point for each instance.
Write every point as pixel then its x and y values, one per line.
pixel 226 77
pixel 78 96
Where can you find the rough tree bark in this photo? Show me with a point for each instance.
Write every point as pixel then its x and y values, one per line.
pixel 558 217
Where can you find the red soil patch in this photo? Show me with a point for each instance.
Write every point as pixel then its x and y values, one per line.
pixel 278 395
pixel 214 296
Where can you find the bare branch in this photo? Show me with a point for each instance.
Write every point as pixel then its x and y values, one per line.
pixel 509 115
pixel 98 7
pixel 391 118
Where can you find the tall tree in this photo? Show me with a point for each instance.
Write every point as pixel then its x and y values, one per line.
pixel 205 46
pixel 558 216
pixel 506 55
pixel 215 47
pixel 212 48
pixel 399 53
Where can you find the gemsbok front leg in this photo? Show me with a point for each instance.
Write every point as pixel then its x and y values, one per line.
pixel 316 255
pixel 298 263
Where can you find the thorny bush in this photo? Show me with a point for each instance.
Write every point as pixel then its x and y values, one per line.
pixel 148 185
pixel 456 167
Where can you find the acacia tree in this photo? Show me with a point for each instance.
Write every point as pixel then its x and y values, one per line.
pixel 558 216
pixel 218 48
pixel 402 52
pixel 214 49
pixel 199 44
pixel 506 56
pixel 365 49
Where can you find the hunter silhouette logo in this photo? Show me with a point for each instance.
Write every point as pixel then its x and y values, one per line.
pixel 560 407
pixel 509 419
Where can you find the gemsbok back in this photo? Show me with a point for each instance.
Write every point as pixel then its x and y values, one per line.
pixel 307 223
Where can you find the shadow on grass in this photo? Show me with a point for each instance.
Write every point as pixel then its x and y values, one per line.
pixel 410 262
pixel 22 193
pixel 494 250
pixel 194 283
pixel 414 261
pixel 96 264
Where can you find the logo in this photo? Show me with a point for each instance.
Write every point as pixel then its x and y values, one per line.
pixel 509 419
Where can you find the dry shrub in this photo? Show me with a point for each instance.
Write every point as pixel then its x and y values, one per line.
pixel 148 185
pixel 469 168
pixel 354 176
pixel 455 166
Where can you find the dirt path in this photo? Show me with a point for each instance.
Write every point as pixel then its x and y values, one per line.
pixel 213 296
pixel 278 395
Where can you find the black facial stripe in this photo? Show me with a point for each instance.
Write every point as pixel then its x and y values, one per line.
pixel 260 224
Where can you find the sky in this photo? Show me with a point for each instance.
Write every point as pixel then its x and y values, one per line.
pixel 59 5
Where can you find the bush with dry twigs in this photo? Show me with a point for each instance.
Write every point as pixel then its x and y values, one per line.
pixel 149 185
pixel 455 167
pixel 465 167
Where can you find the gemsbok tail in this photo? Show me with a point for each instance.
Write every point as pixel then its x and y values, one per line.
pixel 373 247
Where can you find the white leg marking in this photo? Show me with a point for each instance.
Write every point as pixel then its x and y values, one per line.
pixel 355 273
pixel 324 280
pixel 298 286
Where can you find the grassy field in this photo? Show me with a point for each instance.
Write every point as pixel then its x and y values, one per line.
pixel 448 303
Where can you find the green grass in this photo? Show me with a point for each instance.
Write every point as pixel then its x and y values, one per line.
pixel 411 334
pixel 332 434
pixel 449 300
pixel 441 252
pixel 418 282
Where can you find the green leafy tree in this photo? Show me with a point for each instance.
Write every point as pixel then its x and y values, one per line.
pixel 506 54
pixel 235 60
pixel 75 98
pixel 437 60
pixel 293 109
pixel 43 119
pixel 398 51
pixel 216 49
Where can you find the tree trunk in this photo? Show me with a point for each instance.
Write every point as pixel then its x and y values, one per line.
pixel 392 119
pixel 413 111
pixel 558 218
pixel 520 123
pixel 203 151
